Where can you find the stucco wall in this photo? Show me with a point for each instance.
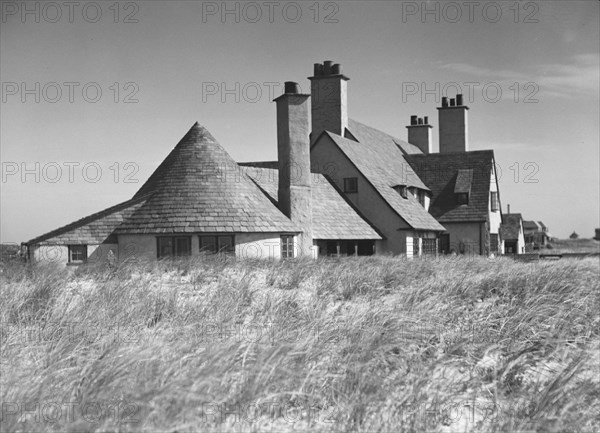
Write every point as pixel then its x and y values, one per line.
pixel 260 246
pixel 328 159
pixel 59 254
pixel 247 245
pixel 467 233
pixel 137 247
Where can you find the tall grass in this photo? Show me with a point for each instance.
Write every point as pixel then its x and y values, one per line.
pixel 357 344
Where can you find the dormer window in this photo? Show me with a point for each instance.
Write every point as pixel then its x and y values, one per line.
pixel 462 198
pixel 350 185
pixel 462 188
pixel 402 190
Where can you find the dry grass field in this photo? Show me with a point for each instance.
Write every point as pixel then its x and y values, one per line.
pixel 351 345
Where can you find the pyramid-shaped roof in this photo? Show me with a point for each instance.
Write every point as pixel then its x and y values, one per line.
pixel 200 188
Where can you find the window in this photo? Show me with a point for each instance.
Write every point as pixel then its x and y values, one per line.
pixel 77 253
pixel 287 247
pixel 402 190
pixel 173 246
pixel 494 243
pixel 217 244
pixel 445 243
pixel 429 246
pixel 350 184
pixel 422 198
pixel 462 198
pixel 494 199
pixel 415 247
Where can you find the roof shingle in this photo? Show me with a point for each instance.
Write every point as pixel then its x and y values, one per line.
pixel 200 188
pixel 378 156
pixel 440 171
pixel 333 217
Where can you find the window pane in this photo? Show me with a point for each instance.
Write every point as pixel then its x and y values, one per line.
pixel 165 247
pixel 350 184
pixel 208 244
pixel 287 247
pixel 226 244
pixel 182 246
pixel 77 253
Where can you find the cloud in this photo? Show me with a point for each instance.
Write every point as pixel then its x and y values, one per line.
pixel 576 78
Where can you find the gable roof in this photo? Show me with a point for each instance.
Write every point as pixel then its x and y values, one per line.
pixel 380 159
pixel 530 225
pixel 199 188
pixel 333 217
pixel 440 171
pixel 511 226
pixel 93 229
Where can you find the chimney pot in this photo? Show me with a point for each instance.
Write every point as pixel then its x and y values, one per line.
pixel 413 120
pixel 327 67
pixel 452 102
pixel 291 87
pixel 459 99
pixel 508 208
pixel 420 121
pixel 426 120
pixel 336 69
pixel 444 101
pixel 318 70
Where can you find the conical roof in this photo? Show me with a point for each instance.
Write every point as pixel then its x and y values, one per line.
pixel 200 188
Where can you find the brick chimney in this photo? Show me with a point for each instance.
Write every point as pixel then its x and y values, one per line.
pixel 419 133
pixel 453 125
pixel 293 150
pixel 329 99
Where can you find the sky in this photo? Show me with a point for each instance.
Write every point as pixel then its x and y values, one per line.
pixel 96 94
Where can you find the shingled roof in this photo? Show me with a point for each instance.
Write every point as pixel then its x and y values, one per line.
pixel 199 188
pixel 333 217
pixel 511 226
pixel 440 171
pixel 93 229
pixel 379 157
pixel 531 225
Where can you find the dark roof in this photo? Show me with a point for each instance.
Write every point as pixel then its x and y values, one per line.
pixel 530 225
pixel 542 225
pixel 440 171
pixel 333 217
pixel 379 158
pixel 199 188
pixel 93 229
pixel 511 226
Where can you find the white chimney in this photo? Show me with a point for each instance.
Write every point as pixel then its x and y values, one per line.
pixel 454 125
pixel 419 133
pixel 329 99
pixel 293 150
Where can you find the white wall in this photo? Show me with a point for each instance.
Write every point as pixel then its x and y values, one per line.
pixel 368 200
pixel 59 254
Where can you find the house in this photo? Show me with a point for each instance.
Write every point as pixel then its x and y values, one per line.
pixel 536 234
pixel 339 187
pixel 512 232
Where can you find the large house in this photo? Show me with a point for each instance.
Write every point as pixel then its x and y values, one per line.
pixel 339 187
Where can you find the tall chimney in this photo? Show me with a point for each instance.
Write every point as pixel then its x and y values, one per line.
pixel 419 133
pixel 508 208
pixel 293 151
pixel 329 100
pixel 453 125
